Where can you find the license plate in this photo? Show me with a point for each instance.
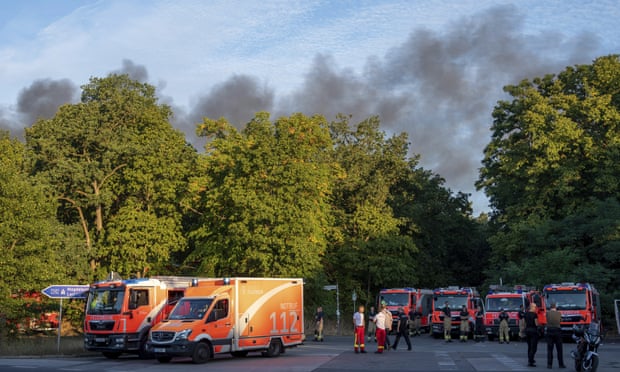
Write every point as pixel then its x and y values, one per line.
pixel 100 339
pixel 159 350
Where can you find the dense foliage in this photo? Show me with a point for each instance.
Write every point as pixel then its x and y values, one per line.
pixel 108 185
pixel 552 173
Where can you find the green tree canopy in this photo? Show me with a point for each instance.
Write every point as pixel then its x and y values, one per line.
pixel 551 173
pixel 263 195
pixel 35 246
pixel 120 171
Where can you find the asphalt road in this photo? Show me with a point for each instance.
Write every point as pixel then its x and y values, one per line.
pixel 336 354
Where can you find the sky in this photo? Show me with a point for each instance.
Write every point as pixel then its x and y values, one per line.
pixel 434 69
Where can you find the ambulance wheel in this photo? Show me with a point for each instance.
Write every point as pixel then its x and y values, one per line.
pixel 275 348
pixel 111 355
pixel 202 353
pixel 239 354
pixel 164 359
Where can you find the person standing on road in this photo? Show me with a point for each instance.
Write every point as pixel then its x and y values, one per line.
pixel 464 314
pixel 402 329
pixel 447 322
pixel 531 334
pixel 358 326
pixel 318 324
pixel 415 318
pixel 380 333
pixel 504 330
pixel 554 336
pixel 372 329
pixel 388 326
pixel 521 323
pixel 479 324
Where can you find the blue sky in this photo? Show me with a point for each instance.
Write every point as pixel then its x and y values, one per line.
pixel 431 68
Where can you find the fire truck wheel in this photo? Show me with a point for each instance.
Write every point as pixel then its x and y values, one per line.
pixel 202 353
pixel 275 348
pixel 164 359
pixel 239 354
pixel 111 355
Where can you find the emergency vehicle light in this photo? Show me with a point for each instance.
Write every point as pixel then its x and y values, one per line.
pixel 194 282
pixel 226 281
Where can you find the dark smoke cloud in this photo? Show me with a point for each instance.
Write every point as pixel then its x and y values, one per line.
pixel 42 99
pixel 135 72
pixel 441 87
pixel 237 99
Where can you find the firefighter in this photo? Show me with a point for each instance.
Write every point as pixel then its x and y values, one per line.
pixel 388 326
pixel 464 314
pixel 318 322
pixel 479 324
pixel 531 334
pixel 371 324
pixel 415 318
pixel 402 329
pixel 358 326
pixel 521 323
pixel 447 322
pixel 504 330
pixel 380 334
pixel 554 336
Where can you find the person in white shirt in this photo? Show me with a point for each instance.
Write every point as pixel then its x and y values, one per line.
pixel 380 323
pixel 358 327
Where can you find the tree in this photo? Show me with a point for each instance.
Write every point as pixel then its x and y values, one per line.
pixel 370 252
pixel 551 173
pixel 120 171
pixel 35 246
pixel 263 196
pixel 452 244
pixel 556 144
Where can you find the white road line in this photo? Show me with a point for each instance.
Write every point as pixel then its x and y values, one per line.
pixel 444 361
pixel 512 364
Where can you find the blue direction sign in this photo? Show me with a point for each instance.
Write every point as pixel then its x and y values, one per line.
pixel 66 291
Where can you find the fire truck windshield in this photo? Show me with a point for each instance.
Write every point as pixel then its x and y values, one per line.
pixel 190 309
pixel 573 300
pixel 508 303
pixel 105 301
pixel 395 299
pixel 455 301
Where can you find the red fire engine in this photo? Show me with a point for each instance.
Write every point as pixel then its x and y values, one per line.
pixel 120 313
pixel 456 298
pixel 512 300
pixel 579 303
pixel 409 299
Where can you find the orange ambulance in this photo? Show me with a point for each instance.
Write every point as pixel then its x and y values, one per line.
pixel 232 315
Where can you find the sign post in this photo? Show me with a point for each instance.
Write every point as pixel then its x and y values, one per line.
pixel 65 291
pixel 331 288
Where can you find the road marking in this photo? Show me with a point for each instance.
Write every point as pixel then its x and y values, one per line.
pixel 512 364
pixel 444 361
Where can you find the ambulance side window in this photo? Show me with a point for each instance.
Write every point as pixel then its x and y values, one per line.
pixel 220 311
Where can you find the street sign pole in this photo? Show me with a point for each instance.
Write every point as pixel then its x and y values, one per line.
pixel 59 327
pixel 64 291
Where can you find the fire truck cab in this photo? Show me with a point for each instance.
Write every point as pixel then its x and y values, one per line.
pixel 513 300
pixel 579 304
pixel 456 297
pixel 120 313
pixel 409 299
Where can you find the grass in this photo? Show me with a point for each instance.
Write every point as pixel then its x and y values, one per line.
pixel 41 345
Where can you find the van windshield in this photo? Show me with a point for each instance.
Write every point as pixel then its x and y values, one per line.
pixel 395 299
pixel 456 302
pixel 508 303
pixel 105 301
pixel 573 300
pixel 190 309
